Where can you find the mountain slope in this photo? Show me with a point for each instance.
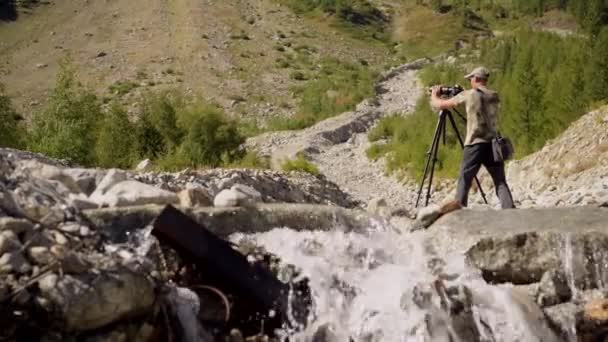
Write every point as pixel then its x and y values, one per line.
pixel 228 51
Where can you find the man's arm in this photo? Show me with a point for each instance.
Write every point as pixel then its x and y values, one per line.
pixel 439 103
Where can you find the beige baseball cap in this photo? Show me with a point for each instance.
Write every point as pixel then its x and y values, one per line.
pixel 480 72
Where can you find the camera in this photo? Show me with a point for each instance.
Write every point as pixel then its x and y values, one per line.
pixel 449 91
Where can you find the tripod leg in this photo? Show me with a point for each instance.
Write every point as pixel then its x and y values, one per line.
pixel 431 154
pixel 434 156
pixel 483 194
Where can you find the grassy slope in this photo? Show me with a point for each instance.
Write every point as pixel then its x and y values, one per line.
pixel 194 44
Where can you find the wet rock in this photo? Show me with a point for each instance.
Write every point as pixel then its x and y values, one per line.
pixel 14 262
pixel 376 205
pixel 70 261
pixel 524 258
pixel 91 301
pixel 40 255
pixel 194 196
pixel 426 216
pixel 130 193
pixel 39 238
pixel 16 225
pixel 553 289
pixel 9 241
pixel 563 319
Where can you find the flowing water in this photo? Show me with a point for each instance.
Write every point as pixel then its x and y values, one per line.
pixel 384 286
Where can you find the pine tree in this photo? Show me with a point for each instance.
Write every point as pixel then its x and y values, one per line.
pixel 596 75
pixel 526 111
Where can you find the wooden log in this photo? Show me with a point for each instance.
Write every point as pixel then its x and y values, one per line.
pixel 218 259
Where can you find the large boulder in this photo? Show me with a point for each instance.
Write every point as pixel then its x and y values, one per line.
pixel 525 257
pixel 130 193
pixel 93 300
pixel 460 230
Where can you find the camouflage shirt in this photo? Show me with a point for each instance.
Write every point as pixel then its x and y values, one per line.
pixel 482 114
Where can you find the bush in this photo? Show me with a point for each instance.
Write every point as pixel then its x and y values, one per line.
pixel 66 127
pixel 12 133
pixel 300 164
pixel 115 145
pixel 211 138
pixel 121 88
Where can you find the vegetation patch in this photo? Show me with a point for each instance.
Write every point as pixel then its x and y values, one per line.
pixel 337 87
pixel 122 87
pixel 360 18
pixel 301 164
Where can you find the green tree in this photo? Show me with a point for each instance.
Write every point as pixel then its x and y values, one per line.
pixel 12 133
pixel 66 127
pixel 524 110
pixel 115 143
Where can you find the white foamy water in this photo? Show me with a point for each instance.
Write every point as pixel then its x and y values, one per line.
pixel 381 286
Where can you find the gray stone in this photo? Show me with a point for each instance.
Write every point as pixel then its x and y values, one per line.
pixel 51 173
pixel 14 262
pixel 112 177
pixel 85 178
pixel 130 193
pixel 91 301
pixel 194 196
pixel 250 192
pixel 48 282
pixel 81 202
pixel 231 198
pixel 144 165
pixel 16 225
pixel 70 227
pixel 60 238
pixel 40 255
pixel 9 241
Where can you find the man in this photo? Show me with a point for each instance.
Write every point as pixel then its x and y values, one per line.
pixel 481 105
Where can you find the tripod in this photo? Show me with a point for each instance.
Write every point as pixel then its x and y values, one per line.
pixel 440 131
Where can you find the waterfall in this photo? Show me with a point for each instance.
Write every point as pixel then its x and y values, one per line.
pixel 383 285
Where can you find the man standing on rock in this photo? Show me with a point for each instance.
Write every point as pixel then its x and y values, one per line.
pixel 481 105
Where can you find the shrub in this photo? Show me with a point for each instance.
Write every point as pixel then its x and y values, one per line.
pixel 12 133
pixel 66 127
pixel 115 145
pixel 300 164
pixel 210 139
pixel 121 88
